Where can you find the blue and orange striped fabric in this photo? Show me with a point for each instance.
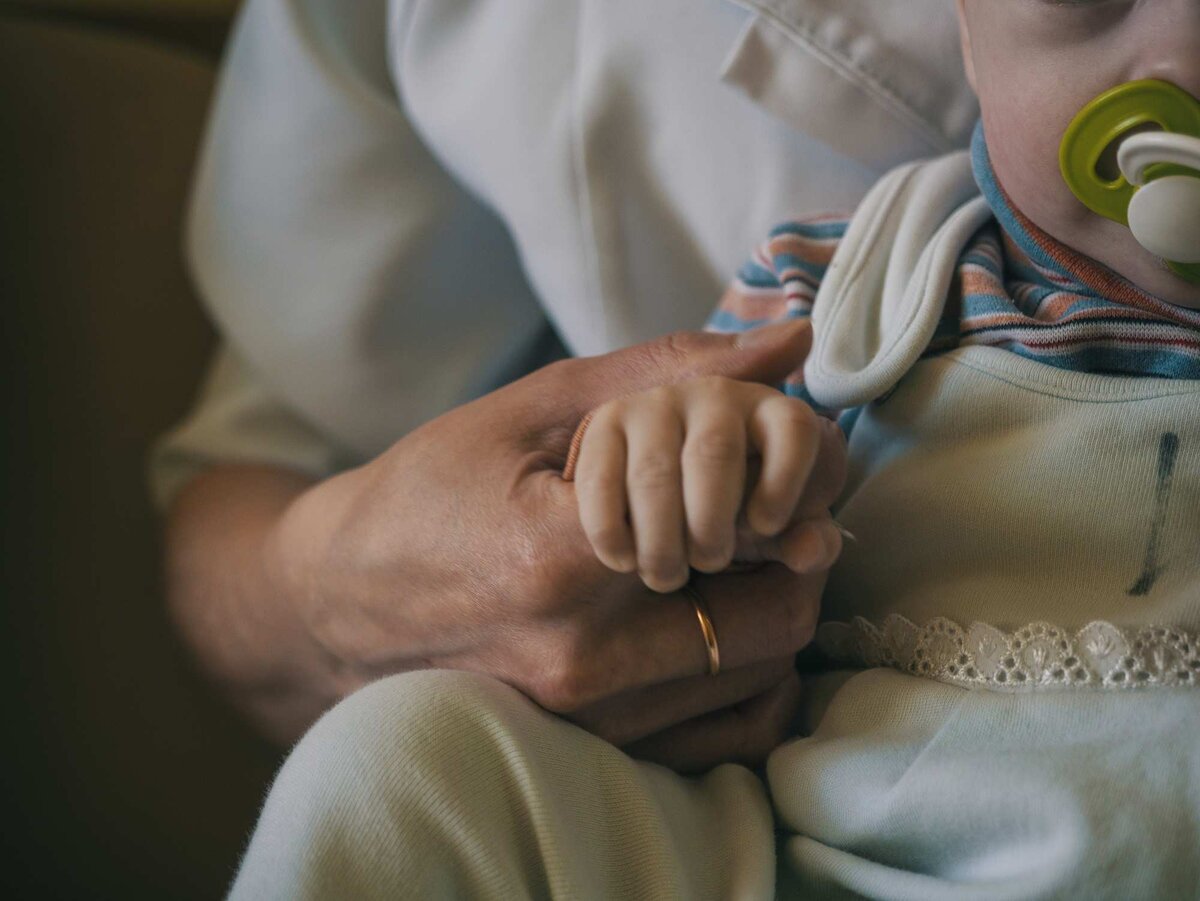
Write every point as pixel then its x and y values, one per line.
pixel 1017 288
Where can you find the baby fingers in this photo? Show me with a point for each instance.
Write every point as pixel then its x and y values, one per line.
pixel 654 438
pixel 787 434
pixel 600 489
pixel 714 477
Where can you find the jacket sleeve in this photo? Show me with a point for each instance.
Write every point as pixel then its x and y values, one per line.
pixel 359 290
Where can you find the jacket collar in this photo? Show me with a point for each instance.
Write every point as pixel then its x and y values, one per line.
pixel 877 80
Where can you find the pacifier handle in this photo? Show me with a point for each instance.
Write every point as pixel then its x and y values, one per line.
pixel 1139 152
pixel 1164 212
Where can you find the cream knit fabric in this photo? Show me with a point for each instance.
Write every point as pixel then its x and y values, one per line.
pixel 987 492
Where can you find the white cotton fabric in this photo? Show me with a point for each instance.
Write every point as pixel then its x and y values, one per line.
pixel 986 488
pixel 910 789
pixel 979 472
pixel 899 252
pixel 399 205
pixel 445 785
pixel 402 205
pixel 885 61
pixel 238 420
pixel 982 474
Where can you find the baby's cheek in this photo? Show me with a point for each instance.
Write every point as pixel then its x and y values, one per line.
pixel 1026 166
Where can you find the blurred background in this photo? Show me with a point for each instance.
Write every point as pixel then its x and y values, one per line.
pixel 124 775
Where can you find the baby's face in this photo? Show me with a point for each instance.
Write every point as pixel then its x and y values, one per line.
pixel 1034 64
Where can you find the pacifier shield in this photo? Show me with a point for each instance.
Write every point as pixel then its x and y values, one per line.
pixel 1118 111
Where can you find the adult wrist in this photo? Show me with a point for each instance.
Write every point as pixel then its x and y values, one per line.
pixel 296 560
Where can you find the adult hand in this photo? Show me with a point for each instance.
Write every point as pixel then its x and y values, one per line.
pixel 461 547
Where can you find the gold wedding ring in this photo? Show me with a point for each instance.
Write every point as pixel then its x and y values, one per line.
pixel 706 628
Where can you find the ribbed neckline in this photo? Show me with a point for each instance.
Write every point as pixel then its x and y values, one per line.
pixel 1069 384
pixel 1052 263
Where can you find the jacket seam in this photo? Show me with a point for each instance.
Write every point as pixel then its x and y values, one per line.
pixel 870 81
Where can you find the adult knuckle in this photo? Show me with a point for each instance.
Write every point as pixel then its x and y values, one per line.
pixel 680 343
pixel 669 355
pixel 770 725
pixel 789 610
pixel 564 682
pixel 765 735
pixel 801 621
pixel 561 369
pixel 835 463
pixel 827 481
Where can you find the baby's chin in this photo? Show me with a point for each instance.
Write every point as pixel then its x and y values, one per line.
pixel 1114 246
pixel 1151 274
pixel 1166 285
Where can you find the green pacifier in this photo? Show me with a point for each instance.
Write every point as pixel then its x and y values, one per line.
pixel 1133 155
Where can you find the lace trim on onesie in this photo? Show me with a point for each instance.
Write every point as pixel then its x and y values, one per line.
pixel 1036 657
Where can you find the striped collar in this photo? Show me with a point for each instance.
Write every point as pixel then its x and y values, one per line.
pixel 1026 291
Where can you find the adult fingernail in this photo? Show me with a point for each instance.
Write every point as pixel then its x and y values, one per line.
pixel 820 546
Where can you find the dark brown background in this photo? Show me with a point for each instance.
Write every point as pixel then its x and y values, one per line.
pixel 124 776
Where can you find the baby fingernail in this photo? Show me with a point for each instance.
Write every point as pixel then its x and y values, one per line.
pixel 624 563
pixel 843 531
pixel 664 585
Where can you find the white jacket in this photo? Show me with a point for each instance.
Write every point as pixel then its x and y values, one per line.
pixel 403 205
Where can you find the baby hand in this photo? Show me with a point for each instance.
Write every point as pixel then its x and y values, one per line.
pixel 662 476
